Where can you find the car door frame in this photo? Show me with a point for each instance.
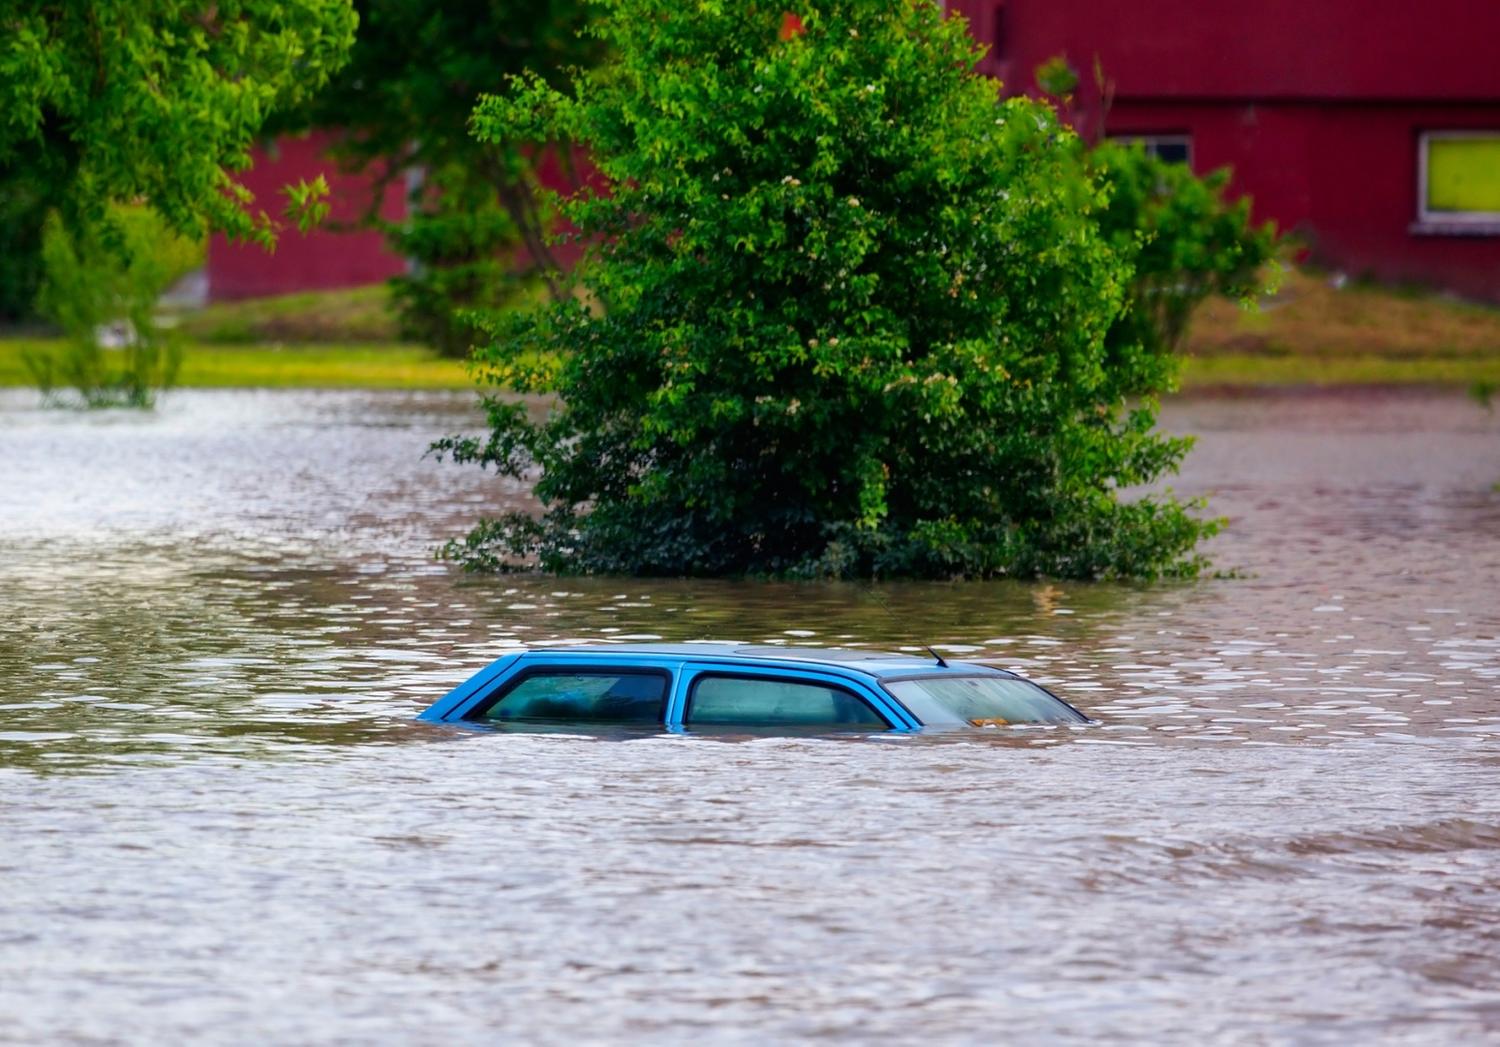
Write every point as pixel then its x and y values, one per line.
pixel 688 672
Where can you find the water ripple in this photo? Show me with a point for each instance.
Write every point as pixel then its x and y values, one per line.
pixel 221 822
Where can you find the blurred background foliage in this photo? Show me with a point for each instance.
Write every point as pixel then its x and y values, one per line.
pixel 101 285
pixel 152 102
pixel 478 231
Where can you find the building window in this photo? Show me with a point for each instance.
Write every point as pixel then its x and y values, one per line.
pixel 1174 149
pixel 1458 182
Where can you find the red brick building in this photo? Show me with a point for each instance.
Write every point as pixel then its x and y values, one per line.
pixel 1368 128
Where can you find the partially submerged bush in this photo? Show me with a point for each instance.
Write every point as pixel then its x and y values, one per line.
pixel 1183 238
pixel 102 290
pixel 847 314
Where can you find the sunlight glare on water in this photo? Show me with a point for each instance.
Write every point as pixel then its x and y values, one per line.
pixel 221 822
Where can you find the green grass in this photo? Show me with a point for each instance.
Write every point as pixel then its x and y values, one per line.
pixel 398 366
pixel 1236 370
pixel 1315 333
pixel 356 314
pixel 1310 317
pixel 1310 333
pixel 324 366
pixel 356 366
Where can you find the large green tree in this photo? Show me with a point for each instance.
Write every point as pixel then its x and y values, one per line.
pixel 844 312
pixel 153 101
pixel 405 102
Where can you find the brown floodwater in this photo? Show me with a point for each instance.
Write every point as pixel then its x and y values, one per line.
pixel 219 822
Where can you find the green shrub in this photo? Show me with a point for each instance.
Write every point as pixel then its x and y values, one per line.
pixel 1183 240
pixel 463 246
pixel 847 314
pixel 405 99
pixel 20 249
pixel 111 280
pixel 116 101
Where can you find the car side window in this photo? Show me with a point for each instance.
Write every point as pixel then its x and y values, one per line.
pixel 768 701
pixel 605 696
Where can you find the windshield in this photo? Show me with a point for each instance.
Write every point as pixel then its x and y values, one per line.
pixel 981 700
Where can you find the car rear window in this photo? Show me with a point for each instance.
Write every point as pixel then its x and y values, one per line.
pixel 981 700
pixel 592 696
pixel 768 702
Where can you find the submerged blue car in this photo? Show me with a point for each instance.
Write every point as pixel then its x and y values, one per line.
pixel 690 686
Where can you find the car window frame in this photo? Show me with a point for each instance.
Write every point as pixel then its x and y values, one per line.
pixel 476 710
pixel 1002 674
pixel 693 674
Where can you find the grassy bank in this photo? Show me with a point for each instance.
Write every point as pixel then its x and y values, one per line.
pixel 1312 332
pixel 1242 370
pixel 398 366
pixel 330 366
pixel 1318 331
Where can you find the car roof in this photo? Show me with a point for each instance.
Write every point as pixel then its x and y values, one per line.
pixel 858 659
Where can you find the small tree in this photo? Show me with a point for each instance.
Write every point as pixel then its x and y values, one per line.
pixel 405 100
pixel 1184 242
pixel 157 101
pixel 843 312
pixel 92 289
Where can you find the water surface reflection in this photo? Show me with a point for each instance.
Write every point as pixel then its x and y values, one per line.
pixel 222 823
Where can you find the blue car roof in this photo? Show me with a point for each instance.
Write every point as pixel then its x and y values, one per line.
pixel 856 659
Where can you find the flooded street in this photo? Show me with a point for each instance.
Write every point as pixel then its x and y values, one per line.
pixel 219 823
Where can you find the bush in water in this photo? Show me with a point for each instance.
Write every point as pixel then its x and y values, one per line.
pixel 843 313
